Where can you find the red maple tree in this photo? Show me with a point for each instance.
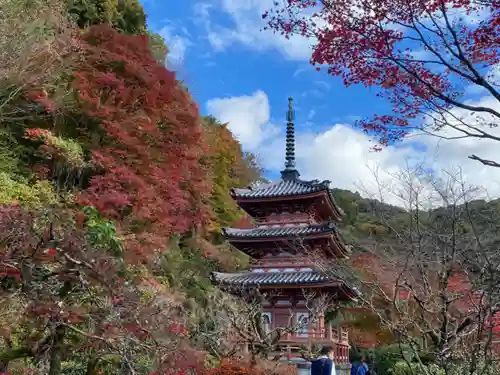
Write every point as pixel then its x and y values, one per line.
pixel 59 282
pixel 149 135
pixel 140 134
pixel 423 56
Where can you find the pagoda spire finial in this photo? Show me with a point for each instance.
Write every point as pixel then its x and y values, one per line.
pixel 290 173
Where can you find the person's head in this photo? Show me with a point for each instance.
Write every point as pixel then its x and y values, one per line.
pixel 356 358
pixel 328 351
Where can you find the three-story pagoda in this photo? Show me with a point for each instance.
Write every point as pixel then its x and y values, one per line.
pixel 294 219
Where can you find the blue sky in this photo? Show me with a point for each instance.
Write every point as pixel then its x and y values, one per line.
pixel 244 76
pixel 241 67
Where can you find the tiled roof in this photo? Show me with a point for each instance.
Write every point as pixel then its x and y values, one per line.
pixel 281 188
pixel 299 230
pixel 280 279
pixel 270 278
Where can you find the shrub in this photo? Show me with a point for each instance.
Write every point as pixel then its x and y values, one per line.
pixel 385 358
pixel 243 368
pixel 404 368
pixel 19 190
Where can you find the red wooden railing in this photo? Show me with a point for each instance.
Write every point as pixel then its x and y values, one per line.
pixel 328 334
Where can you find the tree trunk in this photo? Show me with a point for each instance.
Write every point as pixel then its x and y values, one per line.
pixel 10 354
pixel 56 351
pixel 92 366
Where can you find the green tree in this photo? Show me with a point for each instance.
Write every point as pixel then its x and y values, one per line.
pixel 159 49
pixel 125 15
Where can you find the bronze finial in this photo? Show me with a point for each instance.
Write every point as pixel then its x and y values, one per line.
pixel 290 172
pixel 290 114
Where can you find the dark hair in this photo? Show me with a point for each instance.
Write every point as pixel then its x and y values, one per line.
pixel 326 350
pixel 356 357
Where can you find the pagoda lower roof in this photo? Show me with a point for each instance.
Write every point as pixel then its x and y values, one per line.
pixel 282 231
pixel 299 279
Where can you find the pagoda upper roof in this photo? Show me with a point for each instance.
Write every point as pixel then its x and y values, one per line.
pixel 290 185
pixel 282 231
pixel 282 188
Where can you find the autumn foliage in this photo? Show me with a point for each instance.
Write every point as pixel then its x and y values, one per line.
pixel 230 367
pixel 55 265
pixel 153 136
pixel 241 367
pixel 143 136
pixel 385 279
pixel 230 167
pixel 423 57
pixel 115 187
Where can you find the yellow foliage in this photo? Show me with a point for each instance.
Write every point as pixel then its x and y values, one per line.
pixel 230 167
pixel 38 194
pixel 72 150
pixel 373 229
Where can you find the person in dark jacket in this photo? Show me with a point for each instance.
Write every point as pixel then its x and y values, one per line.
pixel 359 367
pixel 324 365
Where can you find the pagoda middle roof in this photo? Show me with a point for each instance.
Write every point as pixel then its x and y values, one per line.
pixel 282 188
pixel 271 278
pixel 282 231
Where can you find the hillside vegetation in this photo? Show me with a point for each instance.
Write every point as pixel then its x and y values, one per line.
pixel 113 192
pixel 369 219
pixel 464 234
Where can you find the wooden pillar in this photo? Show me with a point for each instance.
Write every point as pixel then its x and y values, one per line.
pixel 321 325
pixel 292 318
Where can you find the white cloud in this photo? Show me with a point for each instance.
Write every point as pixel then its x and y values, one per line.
pixel 248 117
pixel 177 50
pixel 345 156
pixel 463 16
pixel 202 10
pixel 451 151
pixel 491 75
pixel 217 42
pixel 324 85
pixel 246 23
pixel 422 54
pixel 246 29
pixel 177 46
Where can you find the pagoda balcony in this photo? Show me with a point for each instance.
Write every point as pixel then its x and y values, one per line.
pixel 337 339
pixel 293 342
pixel 324 336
